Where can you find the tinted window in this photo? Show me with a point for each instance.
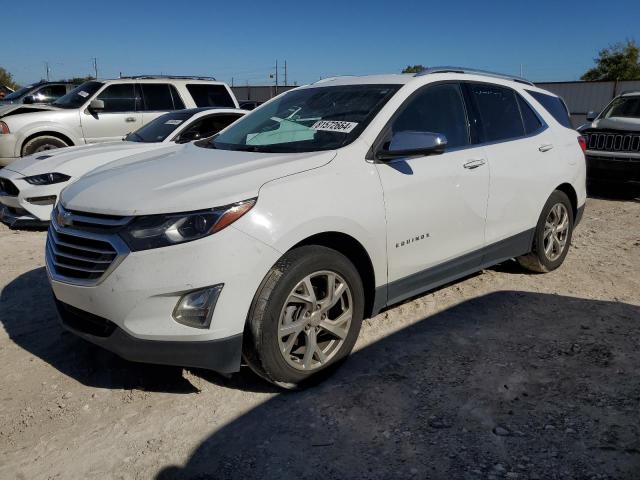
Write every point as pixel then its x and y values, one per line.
pixel 554 106
pixel 210 95
pixel 160 128
pixel 157 96
pixel 623 107
pixel 531 121
pixel 438 109
pixel 178 104
pixel 210 125
pixel 307 120
pixel 49 93
pixel 78 96
pixel 499 113
pixel 119 97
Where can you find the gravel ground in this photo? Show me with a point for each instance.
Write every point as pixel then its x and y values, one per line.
pixel 504 374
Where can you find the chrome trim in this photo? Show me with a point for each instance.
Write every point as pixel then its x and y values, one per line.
pixel 613 141
pixel 92 220
pixel 120 251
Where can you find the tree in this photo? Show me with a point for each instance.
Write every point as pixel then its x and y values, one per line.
pixel 620 61
pixel 414 69
pixel 6 79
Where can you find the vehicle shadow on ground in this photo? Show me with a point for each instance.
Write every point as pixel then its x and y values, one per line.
pixel 620 192
pixel 515 384
pixel 28 315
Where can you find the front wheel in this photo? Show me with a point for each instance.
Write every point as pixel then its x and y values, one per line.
pixel 42 144
pixel 552 237
pixel 305 317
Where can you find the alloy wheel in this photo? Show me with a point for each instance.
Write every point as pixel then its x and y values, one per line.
pixel 556 231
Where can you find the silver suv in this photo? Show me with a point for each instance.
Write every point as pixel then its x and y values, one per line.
pixel 101 111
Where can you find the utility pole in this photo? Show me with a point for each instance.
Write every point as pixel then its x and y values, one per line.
pixel 46 69
pixel 95 67
pixel 521 71
pixel 276 77
pixel 231 81
pixel 285 74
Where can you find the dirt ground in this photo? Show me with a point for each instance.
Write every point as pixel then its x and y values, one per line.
pixel 504 374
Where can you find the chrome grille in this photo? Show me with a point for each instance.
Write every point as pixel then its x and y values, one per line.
pixel 613 141
pixel 82 248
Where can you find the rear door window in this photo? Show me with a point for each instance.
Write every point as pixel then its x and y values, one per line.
pixel 532 123
pixel 157 97
pixel 555 106
pixel 499 113
pixel 210 125
pixel 210 95
pixel 119 97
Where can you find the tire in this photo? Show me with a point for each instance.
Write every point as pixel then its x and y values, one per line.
pixel 278 306
pixel 550 247
pixel 41 144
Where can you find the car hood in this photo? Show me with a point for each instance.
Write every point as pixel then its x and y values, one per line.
pixel 184 178
pixel 617 123
pixel 76 161
pixel 19 108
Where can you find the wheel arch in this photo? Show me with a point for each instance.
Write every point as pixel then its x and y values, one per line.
pixel 570 192
pixel 46 133
pixel 356 253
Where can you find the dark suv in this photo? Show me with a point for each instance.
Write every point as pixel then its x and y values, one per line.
pixel 42 92
pixel 613 141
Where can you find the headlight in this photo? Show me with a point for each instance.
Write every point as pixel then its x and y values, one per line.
pixel 154 231
pixel 47 178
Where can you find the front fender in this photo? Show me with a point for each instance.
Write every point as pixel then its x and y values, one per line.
pixel 44 128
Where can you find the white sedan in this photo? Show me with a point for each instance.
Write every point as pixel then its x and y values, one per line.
pixel 29 187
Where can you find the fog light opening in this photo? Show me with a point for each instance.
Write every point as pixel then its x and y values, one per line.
pixel 48 200
pixel 195 309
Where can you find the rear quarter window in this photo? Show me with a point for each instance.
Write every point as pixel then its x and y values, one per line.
pixel 210 95
pixel 555 106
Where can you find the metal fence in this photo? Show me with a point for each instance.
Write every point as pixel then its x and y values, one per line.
pixel 259 93
pixel 582 97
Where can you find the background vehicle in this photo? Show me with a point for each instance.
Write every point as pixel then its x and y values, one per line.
pixel 41 92
pixel 101 111
pixel 30 186
pixel 334 200
pixel 250 104
pixel 613 141
pixel 4 91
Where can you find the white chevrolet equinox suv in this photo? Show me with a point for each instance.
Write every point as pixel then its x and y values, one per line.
pixel 273 240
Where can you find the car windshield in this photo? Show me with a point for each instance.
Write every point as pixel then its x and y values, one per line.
pixel 307 120
pixel 18 93
pixel 623 107
pixel 78 96
pixel 160 128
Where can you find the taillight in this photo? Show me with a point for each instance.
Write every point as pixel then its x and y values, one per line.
pixel 4 128
pixel 583 143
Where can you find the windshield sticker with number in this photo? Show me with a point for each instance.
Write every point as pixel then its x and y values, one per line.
pixel 334 126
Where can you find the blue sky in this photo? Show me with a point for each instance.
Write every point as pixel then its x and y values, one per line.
pixel 552 40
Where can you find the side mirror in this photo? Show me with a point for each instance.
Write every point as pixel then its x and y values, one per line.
pixel 28 100
pixel 96 105
pixel 591 116
pixel 412 143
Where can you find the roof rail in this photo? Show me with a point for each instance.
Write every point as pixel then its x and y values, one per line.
pixel 328 79
pixel 175 77
pixel 447 69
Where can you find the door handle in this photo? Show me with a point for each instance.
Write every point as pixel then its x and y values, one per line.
pixel 546 147
pixel 471 164
pixel 130 119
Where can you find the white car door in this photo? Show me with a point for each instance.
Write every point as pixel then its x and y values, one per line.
pixel 120 116
pixel 435 205
pixel 521 155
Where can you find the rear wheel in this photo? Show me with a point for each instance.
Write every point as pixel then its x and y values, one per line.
pixel 552 237
pixel 42 144
pixel 305 317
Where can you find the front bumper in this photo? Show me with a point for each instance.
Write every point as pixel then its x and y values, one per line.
pixel 19 218
pixel 20 204
pixel 136 297
pixel 602 168
pixel 221 355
